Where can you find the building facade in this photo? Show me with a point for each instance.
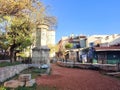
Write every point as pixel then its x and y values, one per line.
pixel 107 55
pixel 73 53
pixel 95 39
pixel 108 50
pixel 103 40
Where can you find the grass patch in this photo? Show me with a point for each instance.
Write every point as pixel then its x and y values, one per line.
pixel 45 88
pixel 24 88
pixel 118 77
pixel 34 87
pixel 3 64
pixel 34 71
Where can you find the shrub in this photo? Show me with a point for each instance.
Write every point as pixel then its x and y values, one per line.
pixel 2 88
pixel 3 64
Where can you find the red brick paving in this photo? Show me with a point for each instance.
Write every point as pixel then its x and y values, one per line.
pixel 78 79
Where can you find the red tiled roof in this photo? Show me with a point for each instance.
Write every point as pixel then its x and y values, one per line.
pixel 113 48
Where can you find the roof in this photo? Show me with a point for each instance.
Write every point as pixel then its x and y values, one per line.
pixel 111 48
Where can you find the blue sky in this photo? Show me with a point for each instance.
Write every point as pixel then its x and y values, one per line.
pixel 86 17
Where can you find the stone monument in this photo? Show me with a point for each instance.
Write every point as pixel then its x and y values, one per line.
pixel 40 53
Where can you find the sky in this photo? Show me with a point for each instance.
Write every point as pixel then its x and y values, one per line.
pixel 85 17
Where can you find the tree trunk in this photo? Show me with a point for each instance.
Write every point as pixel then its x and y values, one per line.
pixel 13 52
pixel 11 56
pixel 15 56
pixel 4 55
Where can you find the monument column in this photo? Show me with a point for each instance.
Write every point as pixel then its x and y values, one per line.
pixel 40 53
pixel 41 35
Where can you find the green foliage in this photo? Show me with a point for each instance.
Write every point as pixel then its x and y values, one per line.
pixel 85 50
pixel 21 54
pixel 34 87
pixel 24 88
pixel 19 34
pixel 3 88
pixel 40 87
pixel 3 64
pixel 3 42
pixel 68 45
pixel 21 16
pixel 19 31
pixel 53 48
pixel 34 72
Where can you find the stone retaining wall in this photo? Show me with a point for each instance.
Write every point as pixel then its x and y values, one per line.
pixel 106 67
pixel 4 61
pixel 10 71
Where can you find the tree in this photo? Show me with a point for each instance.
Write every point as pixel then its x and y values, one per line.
pixel 53 48
pixel 16 14
pixel 3 45
pixel 20 16
pixel 3 42
pixel 19 7
pixel 68 45
pixel 18 36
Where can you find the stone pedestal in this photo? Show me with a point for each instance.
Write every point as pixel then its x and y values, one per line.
pixel 24 77
pixel 13 84
pixel 40 55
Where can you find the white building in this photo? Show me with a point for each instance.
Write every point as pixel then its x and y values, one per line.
pixel 95 39
pixel 50 37
pixel 111 40
pixel 103 40
pixel 51 41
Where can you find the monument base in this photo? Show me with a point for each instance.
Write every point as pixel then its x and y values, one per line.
pixel 40 55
